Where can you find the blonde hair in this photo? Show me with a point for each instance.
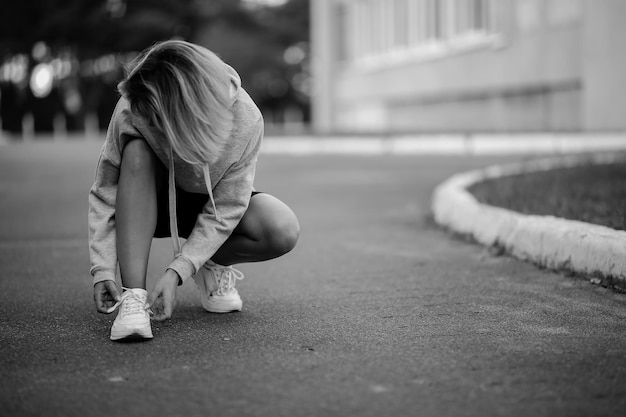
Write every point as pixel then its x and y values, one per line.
pixel 185 91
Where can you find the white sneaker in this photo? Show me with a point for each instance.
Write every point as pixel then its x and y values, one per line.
pixel 132 321
pixel 216 284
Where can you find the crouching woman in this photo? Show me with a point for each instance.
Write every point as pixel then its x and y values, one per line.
pixel 179 161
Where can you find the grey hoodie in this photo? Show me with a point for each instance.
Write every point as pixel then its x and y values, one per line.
pixel 228 182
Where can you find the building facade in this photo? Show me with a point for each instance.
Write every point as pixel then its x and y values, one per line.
pixel 468 65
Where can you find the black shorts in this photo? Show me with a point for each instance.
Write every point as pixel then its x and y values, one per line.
pixel 188 206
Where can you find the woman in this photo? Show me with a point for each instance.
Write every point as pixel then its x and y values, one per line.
pixel 179 160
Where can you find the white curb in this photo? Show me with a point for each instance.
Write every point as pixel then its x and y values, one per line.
pixel 545 240
pixel 445 144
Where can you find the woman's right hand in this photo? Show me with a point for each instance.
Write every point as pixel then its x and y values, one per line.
pixel 105 294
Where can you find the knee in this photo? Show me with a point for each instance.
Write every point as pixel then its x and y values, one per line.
pixel 282 236
pixel 138 157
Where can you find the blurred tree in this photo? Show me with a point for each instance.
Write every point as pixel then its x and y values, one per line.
pixel 253 39
pixel 249 36
pixel 92 27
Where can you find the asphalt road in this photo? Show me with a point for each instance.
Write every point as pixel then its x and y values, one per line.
pixel 377 312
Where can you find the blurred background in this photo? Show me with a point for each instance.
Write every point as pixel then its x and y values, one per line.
pixel 331 66
pixel 60 60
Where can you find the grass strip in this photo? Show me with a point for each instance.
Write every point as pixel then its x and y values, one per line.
pixel 589 193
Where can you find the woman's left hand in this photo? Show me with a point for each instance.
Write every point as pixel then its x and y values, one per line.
pixel 163 298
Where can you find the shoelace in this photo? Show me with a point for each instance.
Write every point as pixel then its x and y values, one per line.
pixel 134 304
pixel 226 279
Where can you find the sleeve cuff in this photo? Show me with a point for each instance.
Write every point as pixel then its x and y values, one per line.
pixel 183 267
pixel 100 276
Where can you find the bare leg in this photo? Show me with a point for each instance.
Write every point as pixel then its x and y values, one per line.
pixel 136 212
pixel 267 230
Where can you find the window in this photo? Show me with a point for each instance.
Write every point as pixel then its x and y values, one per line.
pixel 374 29
pixel 343 32
pixel 400 23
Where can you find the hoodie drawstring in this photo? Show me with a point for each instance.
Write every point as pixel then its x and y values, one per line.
pixel 209 187
pixel 172 203
pixel 172 200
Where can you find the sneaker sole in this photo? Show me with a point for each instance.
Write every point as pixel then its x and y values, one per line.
pixel 222 307
pixel 132 335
